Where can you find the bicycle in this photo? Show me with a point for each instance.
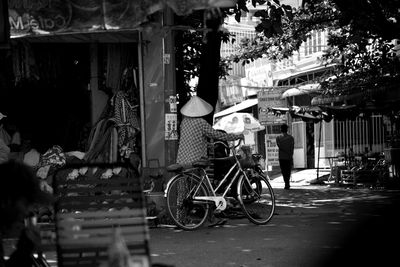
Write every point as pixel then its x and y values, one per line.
pixel 190 195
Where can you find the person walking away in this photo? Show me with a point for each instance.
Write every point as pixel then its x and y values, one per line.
pixel 285 143
pixel 194 131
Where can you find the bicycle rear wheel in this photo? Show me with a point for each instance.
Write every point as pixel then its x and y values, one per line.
pixel 187 213
pixel 256 197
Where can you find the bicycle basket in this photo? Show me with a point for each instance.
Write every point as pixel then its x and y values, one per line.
pixel 246 158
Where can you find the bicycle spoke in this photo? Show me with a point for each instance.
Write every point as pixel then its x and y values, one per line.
pixel 186 213
pixel 256 198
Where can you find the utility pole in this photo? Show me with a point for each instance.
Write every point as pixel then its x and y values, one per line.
pixel 170 107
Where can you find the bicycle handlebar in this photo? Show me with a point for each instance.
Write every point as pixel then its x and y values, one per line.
pixel 233 147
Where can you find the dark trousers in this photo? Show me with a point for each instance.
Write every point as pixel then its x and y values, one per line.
pixel 286 169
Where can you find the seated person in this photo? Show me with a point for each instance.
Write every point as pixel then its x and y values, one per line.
pixel 19 193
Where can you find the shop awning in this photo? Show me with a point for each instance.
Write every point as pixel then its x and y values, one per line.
pixel 185 7
pixel 60 16
pixel 243 105
pixel 125 36
pixel 45 18
pixel 308 113
pixel 327 100
pixel 302 90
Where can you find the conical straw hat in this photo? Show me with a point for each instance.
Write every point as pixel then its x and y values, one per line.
pixel 196 107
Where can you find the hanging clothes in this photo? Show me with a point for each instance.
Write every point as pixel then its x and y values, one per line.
pixel 127 121
pixel 102 142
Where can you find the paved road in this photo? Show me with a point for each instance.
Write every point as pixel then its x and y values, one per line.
pixel 314 226
pixel 319 225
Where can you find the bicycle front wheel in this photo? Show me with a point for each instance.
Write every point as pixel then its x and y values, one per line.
pixel 256 197
pixel 186 212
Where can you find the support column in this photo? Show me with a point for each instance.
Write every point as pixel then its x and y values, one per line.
pixel 170 107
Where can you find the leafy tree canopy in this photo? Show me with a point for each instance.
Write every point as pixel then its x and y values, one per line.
pixel 360 35
pixel 359 38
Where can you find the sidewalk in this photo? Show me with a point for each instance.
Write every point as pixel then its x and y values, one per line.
pixel 307 196
pixel 301 177
pixel 302 201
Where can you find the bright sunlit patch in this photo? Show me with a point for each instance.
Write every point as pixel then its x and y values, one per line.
pixel 230 226
pixel 288 225
pixel 296 205
pixel 344 199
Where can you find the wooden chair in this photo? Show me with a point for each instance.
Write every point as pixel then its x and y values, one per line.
pixel 93 200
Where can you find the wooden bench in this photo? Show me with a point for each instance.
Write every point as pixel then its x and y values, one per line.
pixel 93 201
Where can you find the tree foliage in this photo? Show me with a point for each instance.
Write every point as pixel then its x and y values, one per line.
pixel 189 48
pixel 359 35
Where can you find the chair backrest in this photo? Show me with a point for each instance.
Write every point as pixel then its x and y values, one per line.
pixel 93 200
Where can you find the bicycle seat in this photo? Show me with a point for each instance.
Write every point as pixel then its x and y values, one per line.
pixel 202 163
pixel 174 167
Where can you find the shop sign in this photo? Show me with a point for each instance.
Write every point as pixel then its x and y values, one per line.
pixel 185 7
pixel 39 17
pixel 171 126
pixel 259 71
pixel 271 98
pixel 230 93
pixel 272 150
pixel 172 104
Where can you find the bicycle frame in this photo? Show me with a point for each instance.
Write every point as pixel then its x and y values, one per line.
pixel 220 201
pixel 192 195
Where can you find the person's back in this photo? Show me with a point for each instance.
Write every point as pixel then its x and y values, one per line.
pixel 195 131
pixel 285 143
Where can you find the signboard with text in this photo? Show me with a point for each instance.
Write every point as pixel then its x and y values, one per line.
pixel 33 17
pixel 272 157
pixel 171 126
pixel 270 98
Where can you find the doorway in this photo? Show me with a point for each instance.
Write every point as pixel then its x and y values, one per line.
pixel 52 104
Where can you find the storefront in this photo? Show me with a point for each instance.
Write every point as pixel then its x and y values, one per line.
pixel 70 61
